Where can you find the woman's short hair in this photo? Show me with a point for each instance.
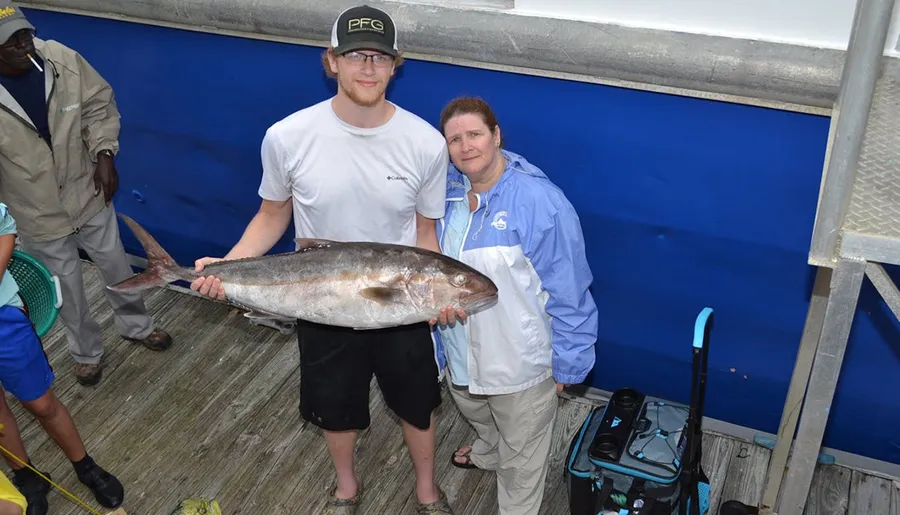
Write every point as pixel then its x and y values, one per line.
pixel 470 105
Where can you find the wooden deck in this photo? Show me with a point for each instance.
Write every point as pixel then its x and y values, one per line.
pixel 217 416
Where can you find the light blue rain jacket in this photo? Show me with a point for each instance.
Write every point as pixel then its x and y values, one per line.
pixel 525 236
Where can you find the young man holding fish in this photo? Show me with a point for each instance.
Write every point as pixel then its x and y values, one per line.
pixel 356 167
pixel 61 128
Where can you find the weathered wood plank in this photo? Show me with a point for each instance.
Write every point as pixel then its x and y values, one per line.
pixel 895 497
pixel 217 416
pixel 746 475
pixel 869 494
pixel 830 491
pixel 717 452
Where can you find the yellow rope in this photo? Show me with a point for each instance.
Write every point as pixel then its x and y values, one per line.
pixel 61 489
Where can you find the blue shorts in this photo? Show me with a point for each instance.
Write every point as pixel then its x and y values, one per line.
pixel 25 371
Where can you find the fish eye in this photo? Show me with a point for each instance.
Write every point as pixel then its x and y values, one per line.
pixel 460 279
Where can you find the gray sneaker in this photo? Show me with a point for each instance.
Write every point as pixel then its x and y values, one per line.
pixel 439 507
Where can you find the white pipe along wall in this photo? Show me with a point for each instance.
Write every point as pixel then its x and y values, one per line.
pixel 815 23
pixel 502 33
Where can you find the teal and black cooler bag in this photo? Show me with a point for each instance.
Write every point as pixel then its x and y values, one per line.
pixel 639 454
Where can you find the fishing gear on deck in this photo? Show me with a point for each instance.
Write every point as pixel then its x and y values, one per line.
pixel 641 455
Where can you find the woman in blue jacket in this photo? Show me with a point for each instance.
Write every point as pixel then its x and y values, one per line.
pixel 506 364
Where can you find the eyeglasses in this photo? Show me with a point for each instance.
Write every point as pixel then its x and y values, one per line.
pixel 19 38
pixel 379 60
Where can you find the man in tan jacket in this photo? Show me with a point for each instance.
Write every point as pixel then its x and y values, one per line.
pixel 58 176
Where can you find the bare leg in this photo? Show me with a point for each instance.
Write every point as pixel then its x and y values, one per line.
pixel 421 450
pixel 10 437
pixel 9 508
pixel 341 446
pixel 57 422
pixel 28 483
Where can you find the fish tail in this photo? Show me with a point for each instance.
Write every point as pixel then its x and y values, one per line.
pixel 161 268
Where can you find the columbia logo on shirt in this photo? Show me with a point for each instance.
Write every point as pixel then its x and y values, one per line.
pixel 397 178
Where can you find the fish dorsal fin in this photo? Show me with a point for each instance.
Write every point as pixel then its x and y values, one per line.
pixel 382 294
pixel 312 243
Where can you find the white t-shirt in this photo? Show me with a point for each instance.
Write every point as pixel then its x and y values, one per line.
pixel 352 184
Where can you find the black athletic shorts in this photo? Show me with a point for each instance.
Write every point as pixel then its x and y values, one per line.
pixel 336 368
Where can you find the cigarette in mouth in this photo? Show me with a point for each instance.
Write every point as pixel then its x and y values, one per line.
pixel 36 65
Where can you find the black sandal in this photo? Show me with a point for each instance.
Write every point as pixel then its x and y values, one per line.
pixel 467 465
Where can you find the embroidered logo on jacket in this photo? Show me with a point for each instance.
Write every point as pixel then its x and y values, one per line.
pixel 499 222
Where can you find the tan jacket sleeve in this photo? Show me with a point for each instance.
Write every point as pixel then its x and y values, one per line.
pixel 100 119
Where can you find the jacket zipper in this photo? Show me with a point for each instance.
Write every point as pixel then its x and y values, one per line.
pixel 462 245
pixel 49 145
pixel 50 97
pixel 469 222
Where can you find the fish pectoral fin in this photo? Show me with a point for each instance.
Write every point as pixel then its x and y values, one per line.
pixel 312 243
pixel 382 295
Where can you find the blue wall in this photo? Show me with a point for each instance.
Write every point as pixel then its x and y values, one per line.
pixel 685 203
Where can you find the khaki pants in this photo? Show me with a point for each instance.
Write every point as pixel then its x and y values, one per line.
pixel 100 239
pixel 514 435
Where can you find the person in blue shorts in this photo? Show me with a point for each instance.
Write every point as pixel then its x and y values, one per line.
pixel 25 372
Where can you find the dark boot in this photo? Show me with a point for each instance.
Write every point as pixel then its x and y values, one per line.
pixel 106 488
pixel 158 340
pixel 88 375
pixel 35 490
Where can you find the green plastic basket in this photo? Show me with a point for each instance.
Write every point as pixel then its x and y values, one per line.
pixel 38 288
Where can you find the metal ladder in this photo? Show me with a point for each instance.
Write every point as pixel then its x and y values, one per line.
pixel 857 229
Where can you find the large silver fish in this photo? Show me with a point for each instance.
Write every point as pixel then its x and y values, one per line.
pixel 359 285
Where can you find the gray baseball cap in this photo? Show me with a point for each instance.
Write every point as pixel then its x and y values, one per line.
pixel 12 20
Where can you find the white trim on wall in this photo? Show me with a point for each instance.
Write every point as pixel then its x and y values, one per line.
pixel 488 4
pixel 815 23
